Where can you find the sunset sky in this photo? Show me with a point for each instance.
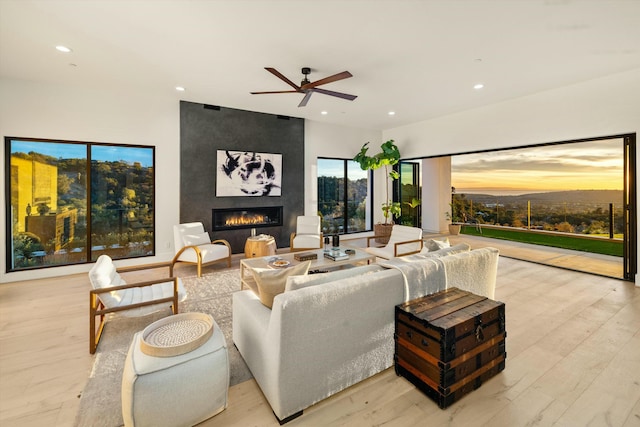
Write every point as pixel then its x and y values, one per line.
pixel 596 165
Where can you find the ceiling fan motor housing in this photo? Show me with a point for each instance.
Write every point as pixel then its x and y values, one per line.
pixel 306 71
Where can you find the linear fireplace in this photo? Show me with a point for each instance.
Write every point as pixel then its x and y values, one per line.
pixel 238 218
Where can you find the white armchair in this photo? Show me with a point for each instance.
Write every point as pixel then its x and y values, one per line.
pixel 194 246
pixel 110 294
pixel 307 234
pixel 404 240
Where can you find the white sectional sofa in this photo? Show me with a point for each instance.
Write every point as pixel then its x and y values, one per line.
pixel 329 331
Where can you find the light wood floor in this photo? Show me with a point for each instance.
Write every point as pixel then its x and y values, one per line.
pixel 573 359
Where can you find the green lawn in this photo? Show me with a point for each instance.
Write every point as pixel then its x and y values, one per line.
pixel 604 246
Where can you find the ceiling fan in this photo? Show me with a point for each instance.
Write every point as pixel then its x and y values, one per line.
pixel 307 87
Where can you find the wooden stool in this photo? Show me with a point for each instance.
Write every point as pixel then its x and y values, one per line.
pixel 258 246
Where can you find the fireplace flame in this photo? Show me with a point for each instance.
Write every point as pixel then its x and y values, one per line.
pixel 244 220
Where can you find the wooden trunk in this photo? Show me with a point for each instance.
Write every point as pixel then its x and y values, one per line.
pixel 447 344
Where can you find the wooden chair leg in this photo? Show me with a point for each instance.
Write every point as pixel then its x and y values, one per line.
pixel 94 336
pixel 175 307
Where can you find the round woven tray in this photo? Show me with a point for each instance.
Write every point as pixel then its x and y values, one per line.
pixel 176 335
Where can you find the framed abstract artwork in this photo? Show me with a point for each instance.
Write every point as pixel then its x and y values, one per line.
pixel 247 173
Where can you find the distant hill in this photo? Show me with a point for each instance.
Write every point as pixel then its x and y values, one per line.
pixel 572 197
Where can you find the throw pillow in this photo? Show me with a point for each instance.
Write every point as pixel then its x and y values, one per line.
pixel 271 281
pixel 455 249
pixel 434 245
pixel 196 239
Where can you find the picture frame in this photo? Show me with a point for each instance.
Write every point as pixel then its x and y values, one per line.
pixel 248 174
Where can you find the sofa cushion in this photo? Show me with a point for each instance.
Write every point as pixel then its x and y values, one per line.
pixel 196 239
pixel 298 282
pixel 432 245
pixel 272 281
pixel 451 250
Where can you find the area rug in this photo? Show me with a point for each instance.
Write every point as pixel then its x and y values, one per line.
pixel 100 403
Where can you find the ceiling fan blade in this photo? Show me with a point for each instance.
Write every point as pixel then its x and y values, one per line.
pixel 335 77
pixel 275 91
pixel 282 77
pixel 338 94
pixel 304 101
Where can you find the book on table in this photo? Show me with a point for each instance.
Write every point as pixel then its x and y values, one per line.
pixel 305 256
pixel 336 255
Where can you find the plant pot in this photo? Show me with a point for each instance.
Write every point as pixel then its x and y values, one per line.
pixel 383 231
pixel 454 229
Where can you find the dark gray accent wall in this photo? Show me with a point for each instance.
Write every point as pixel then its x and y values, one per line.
pixel 204 129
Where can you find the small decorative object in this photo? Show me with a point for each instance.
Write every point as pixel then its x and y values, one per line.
pixel 305 256
pixel 176 335
pixel 280 263
pixel 336 240
pixel 326 243
pixel 336 255
pixel 349 251
pixel 253 232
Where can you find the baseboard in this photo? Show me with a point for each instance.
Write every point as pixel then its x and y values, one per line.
pixel 289 418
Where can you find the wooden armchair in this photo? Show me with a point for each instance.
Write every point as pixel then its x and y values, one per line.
pixel 111 294
pixel 307 234
pixel 194 246
pixel 403 241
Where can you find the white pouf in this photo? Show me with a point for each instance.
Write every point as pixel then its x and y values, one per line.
pixel 174 391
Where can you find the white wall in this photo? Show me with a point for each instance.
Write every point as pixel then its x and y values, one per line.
pixel 601 107
pixel 40 110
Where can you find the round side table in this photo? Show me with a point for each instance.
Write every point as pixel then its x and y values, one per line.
pixel 261 245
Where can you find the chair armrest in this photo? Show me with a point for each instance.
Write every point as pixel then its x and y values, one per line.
pixel 184 248
pixel 133 285
pixel 95 303
pixel 293 236
pixel 222 241
pixel 372 237
pixel 396 246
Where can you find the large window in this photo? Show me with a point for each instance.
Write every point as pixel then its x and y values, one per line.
pixel 70 202
pixel 343 196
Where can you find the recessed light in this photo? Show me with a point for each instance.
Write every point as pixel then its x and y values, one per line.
pixel 324 113
pixel 180 89
pixel 478 86
pixel 392 113
pixel 63 49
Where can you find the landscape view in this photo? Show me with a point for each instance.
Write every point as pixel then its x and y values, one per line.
pixel 571 188
pixel 71 202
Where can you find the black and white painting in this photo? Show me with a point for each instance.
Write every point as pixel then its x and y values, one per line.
pixel 245 173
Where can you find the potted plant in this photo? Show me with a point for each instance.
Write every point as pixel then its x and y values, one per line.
pixel 454 220
pixel 387 158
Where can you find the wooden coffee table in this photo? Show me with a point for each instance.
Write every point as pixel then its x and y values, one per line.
pixel 320 263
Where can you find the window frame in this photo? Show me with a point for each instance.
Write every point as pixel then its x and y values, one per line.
pixel 369 203
pixel 89 250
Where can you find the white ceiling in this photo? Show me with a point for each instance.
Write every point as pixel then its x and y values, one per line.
pixel 417 58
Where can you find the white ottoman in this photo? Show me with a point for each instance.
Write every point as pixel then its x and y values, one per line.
pixel 174 391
